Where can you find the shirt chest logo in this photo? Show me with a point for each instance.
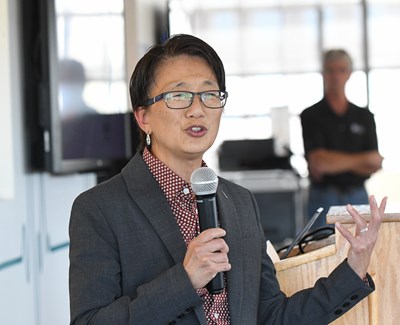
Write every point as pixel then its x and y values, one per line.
pixel 357 128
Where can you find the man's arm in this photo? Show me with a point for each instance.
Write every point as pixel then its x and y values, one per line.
pixel 322 161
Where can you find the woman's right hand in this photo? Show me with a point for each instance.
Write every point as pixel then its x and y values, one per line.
pixel 206 255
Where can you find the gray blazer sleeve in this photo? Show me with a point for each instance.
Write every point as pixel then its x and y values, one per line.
pixel 329 299
pixel 326 301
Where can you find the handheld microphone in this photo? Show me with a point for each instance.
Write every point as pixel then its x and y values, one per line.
pixel 204 182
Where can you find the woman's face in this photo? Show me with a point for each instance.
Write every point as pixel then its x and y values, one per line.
pixel 181 135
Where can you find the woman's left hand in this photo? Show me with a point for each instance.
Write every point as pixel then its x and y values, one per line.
pixel 363 242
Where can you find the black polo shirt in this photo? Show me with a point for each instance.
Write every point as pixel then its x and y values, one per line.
pixel 355 131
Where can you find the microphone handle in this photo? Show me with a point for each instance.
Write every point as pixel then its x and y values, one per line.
pixel 208 218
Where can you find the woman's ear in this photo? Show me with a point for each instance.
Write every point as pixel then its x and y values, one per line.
pixel 141 117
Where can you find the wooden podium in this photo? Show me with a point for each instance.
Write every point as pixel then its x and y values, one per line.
pixel 382 306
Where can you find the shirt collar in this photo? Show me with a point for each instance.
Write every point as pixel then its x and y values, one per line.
pixel 171 184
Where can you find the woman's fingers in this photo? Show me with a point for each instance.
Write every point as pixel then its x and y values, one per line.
pixel 206 255
pixel 362 243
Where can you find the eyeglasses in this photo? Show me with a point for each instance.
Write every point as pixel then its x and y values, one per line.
pixel 183 99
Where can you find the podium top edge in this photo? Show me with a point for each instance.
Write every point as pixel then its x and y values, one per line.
pixel 340 214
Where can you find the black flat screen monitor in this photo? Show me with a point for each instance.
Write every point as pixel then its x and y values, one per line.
pixel 77 110
pixel 251 154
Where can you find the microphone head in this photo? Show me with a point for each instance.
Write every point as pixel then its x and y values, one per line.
pixel 204 181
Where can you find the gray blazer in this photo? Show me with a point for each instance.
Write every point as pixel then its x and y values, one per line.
pixel 126 254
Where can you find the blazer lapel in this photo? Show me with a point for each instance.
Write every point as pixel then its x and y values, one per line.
pixel 229 220
pixel 146 193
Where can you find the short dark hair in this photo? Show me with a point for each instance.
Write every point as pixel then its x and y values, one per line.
pixel 143 76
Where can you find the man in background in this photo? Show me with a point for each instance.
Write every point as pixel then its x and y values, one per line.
pixel 340 142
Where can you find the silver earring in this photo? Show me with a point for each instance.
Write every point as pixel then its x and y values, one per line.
pixel 148 140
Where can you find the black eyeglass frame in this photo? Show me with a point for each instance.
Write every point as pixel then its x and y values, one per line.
pixel 157 98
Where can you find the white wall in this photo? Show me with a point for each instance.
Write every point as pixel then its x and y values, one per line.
pixel 34 207
pixel 6 163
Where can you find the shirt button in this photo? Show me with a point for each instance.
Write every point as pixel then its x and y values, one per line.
pixel 216 315
pixel 186 191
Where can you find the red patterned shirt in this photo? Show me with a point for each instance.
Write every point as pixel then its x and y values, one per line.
pixel 182 200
